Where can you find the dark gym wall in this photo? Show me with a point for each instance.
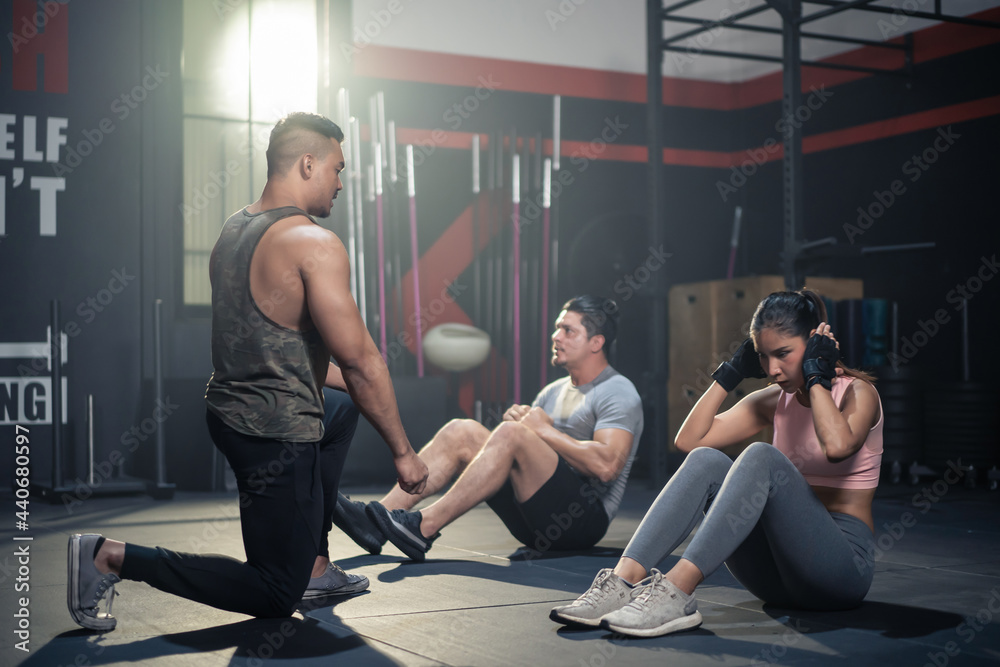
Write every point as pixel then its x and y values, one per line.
pixel 115 80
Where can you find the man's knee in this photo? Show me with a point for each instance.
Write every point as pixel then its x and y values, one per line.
pixel 507 434
pixel 463 436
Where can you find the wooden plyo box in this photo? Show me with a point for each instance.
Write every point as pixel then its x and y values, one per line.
pixel 708 322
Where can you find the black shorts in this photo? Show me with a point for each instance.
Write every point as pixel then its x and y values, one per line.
pixel 565 514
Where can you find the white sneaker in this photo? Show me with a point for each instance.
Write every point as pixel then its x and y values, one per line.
pixel 658 609
pixel 608 593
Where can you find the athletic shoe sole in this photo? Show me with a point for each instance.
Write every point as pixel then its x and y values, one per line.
pixel 73 590
pixel 401 536
pixel 683 623
pixel 565 619
pixel 349 589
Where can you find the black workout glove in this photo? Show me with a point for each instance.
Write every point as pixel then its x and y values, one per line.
pixel 819 363
pixel 744 364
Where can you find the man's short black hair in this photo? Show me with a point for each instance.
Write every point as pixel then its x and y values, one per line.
pixel 298 133
pixel 598 315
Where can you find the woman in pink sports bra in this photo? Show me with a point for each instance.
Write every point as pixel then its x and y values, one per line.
pixel 791 520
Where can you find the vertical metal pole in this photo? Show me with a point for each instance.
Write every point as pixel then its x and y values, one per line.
pixel 344 113
pixel 792 166
pixel 515 184
pixel 657 379
pixel 476 279
pixel 55 376
pixel 555 292
pixel 161 463
pixel 90 439
pixel 966 373
pixel 411 191
pixel 358 222
pixel 380 249
pixel 895 329
pixel 546 241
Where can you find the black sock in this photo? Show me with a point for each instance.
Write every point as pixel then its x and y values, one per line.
pixel 97 547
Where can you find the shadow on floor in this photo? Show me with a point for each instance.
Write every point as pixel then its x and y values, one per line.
pixel 252 640
pixel 894 621
pixel 610 554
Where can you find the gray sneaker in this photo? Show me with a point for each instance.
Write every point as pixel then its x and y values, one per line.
pixel 335 582
pixel 350 516
pixel 86 587
pixel 608 593
pixel 659 608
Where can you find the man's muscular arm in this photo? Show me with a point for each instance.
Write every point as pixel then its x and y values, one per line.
pixel 603 457
pixel 325 274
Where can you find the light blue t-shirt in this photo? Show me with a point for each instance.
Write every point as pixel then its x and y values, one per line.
pixel 609 401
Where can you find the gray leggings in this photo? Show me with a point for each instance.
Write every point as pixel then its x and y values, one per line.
pixel 764 521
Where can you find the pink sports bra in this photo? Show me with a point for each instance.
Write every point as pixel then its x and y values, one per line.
pixel 795 437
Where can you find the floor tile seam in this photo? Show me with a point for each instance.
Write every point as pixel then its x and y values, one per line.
pixel 966 649
pixel 944 568
pixel 469 608
pixel 379 640
pixel 515 562
pixel 398 647
pixel 947 568
pixel 547 567
pixel 74 526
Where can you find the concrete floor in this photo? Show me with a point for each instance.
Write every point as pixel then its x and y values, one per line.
pixel 935 599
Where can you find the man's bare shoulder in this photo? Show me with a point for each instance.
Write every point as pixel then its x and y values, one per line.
pixel 300 234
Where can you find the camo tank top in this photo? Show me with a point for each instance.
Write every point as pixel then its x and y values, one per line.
pixel 268 379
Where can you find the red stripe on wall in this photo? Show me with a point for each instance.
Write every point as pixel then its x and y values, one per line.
pixel 384 62
pixel 598 150
pixel 923 120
